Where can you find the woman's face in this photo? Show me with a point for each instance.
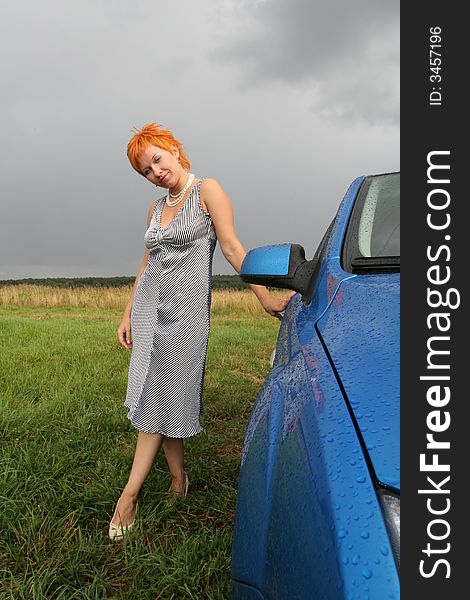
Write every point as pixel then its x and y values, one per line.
pixel 160 166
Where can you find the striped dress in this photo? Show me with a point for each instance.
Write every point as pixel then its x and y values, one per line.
pixel 170 320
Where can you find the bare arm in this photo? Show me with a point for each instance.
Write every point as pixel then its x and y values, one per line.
pixel 220 208
pixel 124 331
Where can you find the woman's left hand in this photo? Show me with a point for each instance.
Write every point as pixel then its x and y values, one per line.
pixel 274 306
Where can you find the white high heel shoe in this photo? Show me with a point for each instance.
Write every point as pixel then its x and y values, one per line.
pixel 118 531
pixel 185 491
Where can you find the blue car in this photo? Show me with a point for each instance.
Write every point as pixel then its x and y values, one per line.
pixel 318 505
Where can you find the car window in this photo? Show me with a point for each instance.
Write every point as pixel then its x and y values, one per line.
pixel 379 224
pixel 372 241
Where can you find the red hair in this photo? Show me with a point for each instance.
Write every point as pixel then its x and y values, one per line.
pixel 154 135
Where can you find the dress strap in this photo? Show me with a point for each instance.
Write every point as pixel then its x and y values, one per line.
pixel 198 189
pixel 206 215
pixel 158 202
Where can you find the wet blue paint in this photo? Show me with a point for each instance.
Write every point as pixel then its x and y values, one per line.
pixel 308 522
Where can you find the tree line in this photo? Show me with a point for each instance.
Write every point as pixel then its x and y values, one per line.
pixel 218 282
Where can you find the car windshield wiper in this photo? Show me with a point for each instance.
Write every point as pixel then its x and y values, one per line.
pixel 375 264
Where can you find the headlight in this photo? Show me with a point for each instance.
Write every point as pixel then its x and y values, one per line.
pixel 390 504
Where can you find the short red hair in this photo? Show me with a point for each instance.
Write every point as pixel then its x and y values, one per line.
pixel 154 135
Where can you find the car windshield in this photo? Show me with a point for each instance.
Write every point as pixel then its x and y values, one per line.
pixel 379 223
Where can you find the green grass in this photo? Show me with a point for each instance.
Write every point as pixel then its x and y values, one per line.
pixel 67 448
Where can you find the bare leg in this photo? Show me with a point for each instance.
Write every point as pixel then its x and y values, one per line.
pixel 174 454
pixel 147 447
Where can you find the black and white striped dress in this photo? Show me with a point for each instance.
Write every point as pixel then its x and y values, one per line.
pixel 170 320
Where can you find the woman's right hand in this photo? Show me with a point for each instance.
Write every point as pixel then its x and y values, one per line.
pixel 124 332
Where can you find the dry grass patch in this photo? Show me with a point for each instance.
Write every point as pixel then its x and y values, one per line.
pixel 30 295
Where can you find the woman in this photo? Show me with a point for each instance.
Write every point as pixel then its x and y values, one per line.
pixel 166 321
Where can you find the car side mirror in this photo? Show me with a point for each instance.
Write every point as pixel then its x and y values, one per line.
pixel 279 265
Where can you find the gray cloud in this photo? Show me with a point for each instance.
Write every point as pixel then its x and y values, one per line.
pixel 283 126
pixel 343 54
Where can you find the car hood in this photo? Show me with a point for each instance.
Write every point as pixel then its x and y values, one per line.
pixel 360 330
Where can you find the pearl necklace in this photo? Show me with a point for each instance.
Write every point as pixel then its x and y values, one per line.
pixel 180 194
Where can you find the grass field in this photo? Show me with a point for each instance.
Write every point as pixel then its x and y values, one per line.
pixel 67 447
